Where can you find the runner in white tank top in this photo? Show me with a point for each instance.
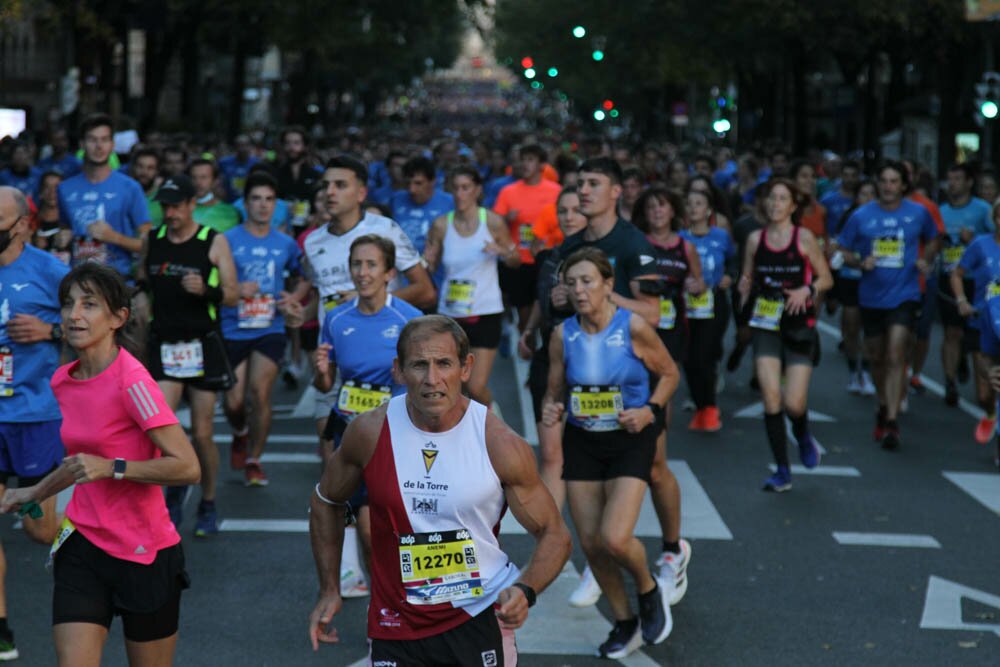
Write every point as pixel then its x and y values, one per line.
pixel 440 471
pixel 467 244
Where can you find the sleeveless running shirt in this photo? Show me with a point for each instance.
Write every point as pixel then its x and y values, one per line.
pixel 178 314
pixel 673 267
pixel 603 373
pixel 436 505
pixel 471 285
pixel 775 271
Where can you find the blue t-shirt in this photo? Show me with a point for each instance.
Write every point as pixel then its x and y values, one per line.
pixel 378 175
pixel 981 264
pixel 363 346
pixel 493 188
pixel 27 183
pixel 29 285
pixel 894 238
pixel 68 165
pixel 713 249
pixel 118 200
pixel 266 261
pixel 416 220
pixel 234 175
pixel 836 204
pixel 975 216
pixel 282 213
pixel 384 194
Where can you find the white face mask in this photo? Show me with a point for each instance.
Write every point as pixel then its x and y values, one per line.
pixel 207 198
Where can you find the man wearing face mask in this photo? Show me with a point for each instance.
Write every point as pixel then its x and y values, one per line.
pixel 30 446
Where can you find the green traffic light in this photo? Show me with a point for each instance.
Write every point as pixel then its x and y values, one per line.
pixel 597 55
pixel 989 109
pixel 553 72
pixel 579 32
pixel 722 126
pixel 613 113
pixel 599 115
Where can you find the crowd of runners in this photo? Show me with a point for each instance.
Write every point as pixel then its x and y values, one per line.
pixel 385 275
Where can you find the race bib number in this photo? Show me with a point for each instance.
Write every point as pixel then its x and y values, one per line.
pixel 888 252
pixel 256 312
pixel 6 372
pixel 439 567
pixel 239 182
pixel 183 360
pixel 767 313
pixel 300 211
pixel 952 256
pixel 700 306
pixel 66 528
pixel 331 301
pixel 992 290
pixel 358 397
pixel 89 250
pixel 458 296
pixel 668 314
pixel 596 407
pixel 525 236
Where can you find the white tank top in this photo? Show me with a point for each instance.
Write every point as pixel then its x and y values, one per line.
pixel 471 284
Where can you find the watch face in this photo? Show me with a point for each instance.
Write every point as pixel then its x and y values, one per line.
pixel 56 332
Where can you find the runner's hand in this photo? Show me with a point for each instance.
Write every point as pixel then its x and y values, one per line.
pixel 526 345
pixel 513 611
pixel 559 296
pixel 320 629
pixel 88 468
pixel 24 328
pixel 249 288
pixel 13 499
pixel 636 419
pixel 726 282
pixel 100 231
pixel 965 309
pixel 995 378
pixel 797 299
pixel 552 413
pixel 868 263
pixel 193 283
pixel 292 310
pixel 323 358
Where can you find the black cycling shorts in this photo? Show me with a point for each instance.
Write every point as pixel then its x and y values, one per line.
pixel 478 642
pixel 484 331
pixel 596 456
pixel 876 321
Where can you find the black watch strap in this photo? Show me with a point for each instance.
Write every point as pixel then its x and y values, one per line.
pixel 529 593
pixel 657 409
pixel 57 332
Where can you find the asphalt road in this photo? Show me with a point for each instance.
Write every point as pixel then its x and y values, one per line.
pixel 877 558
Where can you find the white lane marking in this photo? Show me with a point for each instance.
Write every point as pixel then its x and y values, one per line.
pixel 555 628
pixel 822 470
pixel 273 439
pixel 521 368
pixel 886 540
pixel 289 457
pixel 264 525
pixel 699 517
pixel 984 487
pixel 756 411
pixel 932 385
pixel 943 606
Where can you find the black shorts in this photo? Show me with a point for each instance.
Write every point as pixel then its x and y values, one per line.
pixel 798 347
pixel 478 642
pixel 218 373
pixel 949 309
pixel 675 340
pixel 484 331
pixel 741 316
pixel 596 456
pixel 876 321
pixel 519 284
pixel 309 338
pixel 846 290
pixel 93 587
pixel 271 346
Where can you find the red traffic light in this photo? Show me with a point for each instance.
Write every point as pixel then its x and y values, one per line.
pixel 527 62
pixel 608 105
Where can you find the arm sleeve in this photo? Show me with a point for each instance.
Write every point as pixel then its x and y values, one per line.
pixel 144 401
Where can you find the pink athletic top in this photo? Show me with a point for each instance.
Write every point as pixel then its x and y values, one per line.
pixel 108 416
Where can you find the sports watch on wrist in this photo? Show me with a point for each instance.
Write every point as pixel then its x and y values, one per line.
pixel 119 468
pixel 57 332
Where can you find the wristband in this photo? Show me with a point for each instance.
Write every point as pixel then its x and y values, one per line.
pixel 529 592
pixel 657 410
pixel 214 294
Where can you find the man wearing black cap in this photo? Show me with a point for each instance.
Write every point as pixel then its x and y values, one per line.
pixel 189 273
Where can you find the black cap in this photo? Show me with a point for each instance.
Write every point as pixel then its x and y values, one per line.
pixel 175 190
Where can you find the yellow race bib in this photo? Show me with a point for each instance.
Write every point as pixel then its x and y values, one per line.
pixel 767 313
pixel 888 252
pixel 458 296
pixel 358 397
pixel 439 567
pixel 668 314
pixel 700 306
pixel 596 408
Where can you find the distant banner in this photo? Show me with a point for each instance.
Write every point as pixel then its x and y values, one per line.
pixel 982 10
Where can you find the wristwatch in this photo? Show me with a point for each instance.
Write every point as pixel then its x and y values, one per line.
pixel 119 469
pixel 57 332
pixel 529 593
pixel 657 410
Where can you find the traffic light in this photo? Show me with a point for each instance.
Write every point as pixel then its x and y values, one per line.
pixel 553 72
pixel 597 55
pixel 988 96
pixel 598 45
pixel 723 104
pixel 527 62
pixel 579 32
pixel 599 115
pixel 530 73
pixel 607 105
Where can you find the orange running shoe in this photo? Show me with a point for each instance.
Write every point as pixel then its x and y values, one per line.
pixel 698 421
pixel 986 428
pixel 710 420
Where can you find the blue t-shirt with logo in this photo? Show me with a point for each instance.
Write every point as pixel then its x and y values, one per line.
pixel 29 285
pixel 836 204
pixel 981 264
pixel 974 216
pixel 894 238
pixel 234 175
pixel 265 261
pixel 416 219
pixel 118 200
pixel 713 249
pixel 27 183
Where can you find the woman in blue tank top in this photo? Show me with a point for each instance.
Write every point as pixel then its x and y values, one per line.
pixel 601 361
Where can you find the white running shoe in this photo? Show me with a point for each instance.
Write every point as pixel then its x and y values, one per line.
pixel 867 385
pixel 353 585
pixel 672 569
pixel 904 405
pixel 854 385
pixel 587 593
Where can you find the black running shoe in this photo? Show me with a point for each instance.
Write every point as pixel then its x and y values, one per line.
pixel 623 639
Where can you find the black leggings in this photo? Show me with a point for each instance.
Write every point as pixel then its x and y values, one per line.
pixel 704 350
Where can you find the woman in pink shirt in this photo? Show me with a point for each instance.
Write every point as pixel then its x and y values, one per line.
pixel 117 552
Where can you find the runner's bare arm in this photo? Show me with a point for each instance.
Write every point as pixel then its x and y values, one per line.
pixel 552 402
pixel 220 255
pixel 420 293
pixel 654 355
pixel 809 247
pixel 505 247
pixel 533 507
pixel 434 246
pixel 746 277
pixel 697 282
